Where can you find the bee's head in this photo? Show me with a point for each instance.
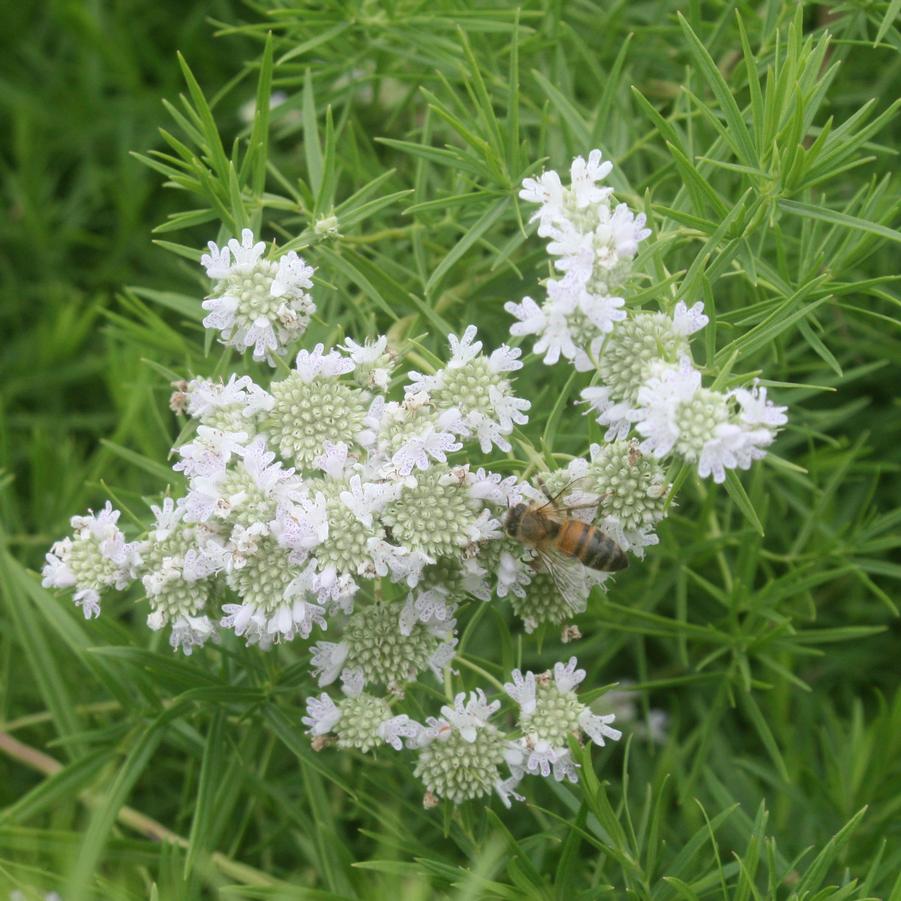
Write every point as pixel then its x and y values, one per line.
pixel 514 516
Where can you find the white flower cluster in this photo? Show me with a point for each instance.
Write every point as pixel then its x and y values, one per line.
pixel 647 381
pixel 304 491
pixel 256 302
pixel 95 558
pixel 593 242
pixel 345 495
pixel 461 754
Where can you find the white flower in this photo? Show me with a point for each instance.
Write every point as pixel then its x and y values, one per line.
pixel 514 573
pixel 603 312
pixel 546 190
pixel 476 389
pixel 302 523
pixel 216 403
pixel 430 607
pixel 464 349
pixel 617 416
pixel 292 276
pixel 522 690
pixel 442 657
pixel 597 727
pixel 541 758
pixel 95 558
pixel 567 677
pixel 532 320
pixel 328 660
pixel 372 360
pixel 677 415
pixel 312 364
pixel 508 408
pixel 506 789
pixel 660 399
pixel 333 459
pixel 304 616
pixel 403 564
pixel 242 619
pixel 688 320
pixel 503 358
pixel 189 632
pixel 618 235
pixel 322 715
pixel 757 410
pixel 418 451
pixel 353 681
pixel 565 767
pixel 573 321
pixel 367 498
pixel 583 175
pixel 731 447
pixel 469 714
pixel 400 731
pixel 209 453
pixel 367 353
pixel 89 601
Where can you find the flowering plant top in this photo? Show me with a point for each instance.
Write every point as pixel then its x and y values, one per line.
pixel 349 500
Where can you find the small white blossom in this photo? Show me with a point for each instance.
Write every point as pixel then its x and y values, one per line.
pixel 322 715
pixel 757 410
pixel 189 632
pixel 583 175
pixel 506 789
pixel 400 731
pixel 542 758
pixel 567 677
pixel 598 728
pixel 310 364
pixel 522 690
pixel 328 660
pixel 469 713
pixel 209 453
pixel 565 768
pixel 677 415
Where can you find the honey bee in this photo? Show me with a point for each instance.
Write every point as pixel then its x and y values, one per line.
pixel 563 542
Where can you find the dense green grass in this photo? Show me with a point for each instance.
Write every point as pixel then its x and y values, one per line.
pixel 759 142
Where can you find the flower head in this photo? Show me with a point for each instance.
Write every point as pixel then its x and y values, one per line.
pixel 462 752
pixel 97 557
pixel 677 415
pixel 552 713
pixel 256 302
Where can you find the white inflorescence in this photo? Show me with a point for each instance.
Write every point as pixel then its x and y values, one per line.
pixel 257 303
pixel 344 502
pixel 95 558
pixel 647 385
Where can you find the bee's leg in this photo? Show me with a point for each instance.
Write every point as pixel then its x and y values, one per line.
pixel 543 486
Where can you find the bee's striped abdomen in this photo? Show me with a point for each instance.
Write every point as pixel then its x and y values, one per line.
pixel 591 547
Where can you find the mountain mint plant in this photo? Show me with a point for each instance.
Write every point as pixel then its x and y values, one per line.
pixel 342 498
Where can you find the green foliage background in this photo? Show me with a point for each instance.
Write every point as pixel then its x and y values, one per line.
pixel 765 623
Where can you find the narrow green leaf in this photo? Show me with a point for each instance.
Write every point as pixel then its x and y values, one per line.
pixel 211 772
pixel 737 132
pixel 740 497
pixel 843 220
pixel 311 147
pixel 473 234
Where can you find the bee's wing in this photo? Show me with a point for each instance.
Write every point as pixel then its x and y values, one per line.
pixel 579 496
pixel 568 576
